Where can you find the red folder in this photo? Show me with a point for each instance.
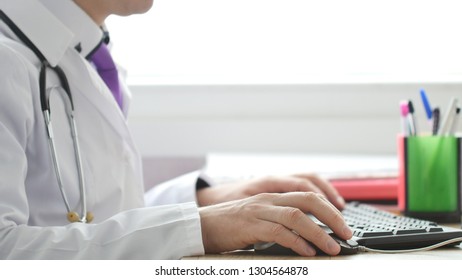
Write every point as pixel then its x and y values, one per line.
pixel 367 188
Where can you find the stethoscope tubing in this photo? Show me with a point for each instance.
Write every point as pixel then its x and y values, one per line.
pixel 46 111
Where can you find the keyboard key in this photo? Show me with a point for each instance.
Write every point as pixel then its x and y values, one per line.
pixel 434 229
pixel 361 233
pixel 409 231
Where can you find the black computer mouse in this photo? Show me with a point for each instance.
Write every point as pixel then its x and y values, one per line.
pixel 347 247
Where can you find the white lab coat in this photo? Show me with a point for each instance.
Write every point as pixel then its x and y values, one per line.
pixel 33 221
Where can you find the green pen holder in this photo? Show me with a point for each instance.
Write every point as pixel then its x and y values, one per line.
pixel 432 178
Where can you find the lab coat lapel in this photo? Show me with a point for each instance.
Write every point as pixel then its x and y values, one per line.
pixel 97 93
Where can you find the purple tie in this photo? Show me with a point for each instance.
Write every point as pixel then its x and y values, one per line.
pixel 107 70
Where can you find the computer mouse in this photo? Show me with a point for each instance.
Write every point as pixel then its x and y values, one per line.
pixel 347 247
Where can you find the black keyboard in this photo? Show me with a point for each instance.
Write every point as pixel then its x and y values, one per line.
pixel 379 229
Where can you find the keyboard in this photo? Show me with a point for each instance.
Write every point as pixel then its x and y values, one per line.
pixel 379 229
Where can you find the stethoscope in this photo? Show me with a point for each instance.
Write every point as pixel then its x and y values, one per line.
pixel 72 216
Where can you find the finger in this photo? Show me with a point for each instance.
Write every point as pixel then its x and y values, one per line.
pixel 275 232
pixel 294 219
pixel 289 184
pixel 318 206
pixel 321 208
pixel 326 187
pixel 261 229
pixel 308 202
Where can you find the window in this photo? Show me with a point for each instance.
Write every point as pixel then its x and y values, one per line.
pixel 291 41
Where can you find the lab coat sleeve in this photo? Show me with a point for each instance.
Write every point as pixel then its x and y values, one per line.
pixel 165 232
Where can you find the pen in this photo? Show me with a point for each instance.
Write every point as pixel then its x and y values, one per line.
pixel 455 122
pixel 448 118
pixel 426 103
pixel 410 115
pixel 404 110
pixel 436 120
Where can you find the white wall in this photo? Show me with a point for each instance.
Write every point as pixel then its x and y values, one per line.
pixel 286 41
pixel 375 52
pixel 359 118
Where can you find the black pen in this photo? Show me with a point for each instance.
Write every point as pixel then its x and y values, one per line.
pixel 436 120
pixel 413 129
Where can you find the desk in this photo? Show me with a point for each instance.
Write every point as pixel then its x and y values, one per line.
pixel 437 254
pixel 167 168
pixel 446 253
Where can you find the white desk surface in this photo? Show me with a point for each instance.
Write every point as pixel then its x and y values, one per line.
pixel 436 254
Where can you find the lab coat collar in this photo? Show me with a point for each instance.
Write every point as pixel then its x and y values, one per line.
pixel 53 26
pixel 87 34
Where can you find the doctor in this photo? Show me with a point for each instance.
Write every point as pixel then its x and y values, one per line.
pixel 83 198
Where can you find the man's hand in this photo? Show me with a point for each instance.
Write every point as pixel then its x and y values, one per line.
pixel 281 184
pixel 272 217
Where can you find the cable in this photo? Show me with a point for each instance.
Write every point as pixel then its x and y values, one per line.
pixel 434 246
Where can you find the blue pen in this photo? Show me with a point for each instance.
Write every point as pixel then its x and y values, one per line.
pixel 426 103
